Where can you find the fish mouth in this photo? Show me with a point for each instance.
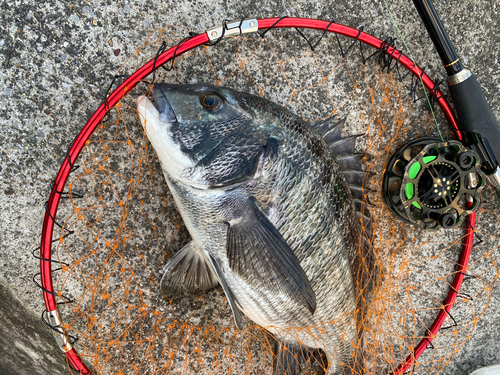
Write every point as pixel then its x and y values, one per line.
pixel 162 104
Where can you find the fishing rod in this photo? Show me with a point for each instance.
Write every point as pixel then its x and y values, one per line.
pixel 436 184
pixel 475 118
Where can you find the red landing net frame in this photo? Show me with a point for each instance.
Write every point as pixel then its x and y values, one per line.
pixel 194 42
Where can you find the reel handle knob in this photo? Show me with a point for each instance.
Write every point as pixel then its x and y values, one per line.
pixel 447 221
pixel 465 160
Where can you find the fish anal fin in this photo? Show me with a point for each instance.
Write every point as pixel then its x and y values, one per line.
pixel 259 254
pixel 292 358
pixel 189 270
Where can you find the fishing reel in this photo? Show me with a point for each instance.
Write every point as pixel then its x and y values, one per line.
pixel 433 184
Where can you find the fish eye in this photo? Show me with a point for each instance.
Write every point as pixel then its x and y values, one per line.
pixel 211 101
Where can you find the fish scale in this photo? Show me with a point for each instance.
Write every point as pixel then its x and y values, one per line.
pixel 283 228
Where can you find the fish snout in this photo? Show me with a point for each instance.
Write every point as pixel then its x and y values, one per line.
pixel 160 93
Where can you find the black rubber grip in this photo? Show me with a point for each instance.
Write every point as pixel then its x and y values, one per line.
pixel 474 113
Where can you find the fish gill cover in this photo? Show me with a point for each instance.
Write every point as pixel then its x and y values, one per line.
pixel 120 226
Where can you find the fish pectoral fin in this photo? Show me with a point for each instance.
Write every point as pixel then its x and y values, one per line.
pixel 238 316
pixel 259 254
pixel 189 269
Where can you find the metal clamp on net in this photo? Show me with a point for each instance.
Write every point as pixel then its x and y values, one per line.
pixel 55 322
pixel 245 26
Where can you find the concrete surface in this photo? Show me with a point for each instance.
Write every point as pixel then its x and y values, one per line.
pixel 27 346
pixel 57 58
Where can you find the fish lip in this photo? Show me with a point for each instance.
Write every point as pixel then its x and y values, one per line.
pixel 163 105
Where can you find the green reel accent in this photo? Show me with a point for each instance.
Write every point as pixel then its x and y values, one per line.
pixel 409 190
pixel 414 169
pixel 428 159
pixel 410 187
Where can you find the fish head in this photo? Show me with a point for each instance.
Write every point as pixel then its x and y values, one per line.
pixel 204 135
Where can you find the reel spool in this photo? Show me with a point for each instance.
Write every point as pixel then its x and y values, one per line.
pixel 433 184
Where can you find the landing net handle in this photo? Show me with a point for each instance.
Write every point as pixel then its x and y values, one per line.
pixel 188 44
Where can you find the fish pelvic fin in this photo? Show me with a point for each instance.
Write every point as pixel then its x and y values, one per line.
pixel 238 316
pixel 259 254
pixel 189 270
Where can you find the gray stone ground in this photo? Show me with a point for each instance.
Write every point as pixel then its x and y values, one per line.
pixel 27 346
pixel 56 59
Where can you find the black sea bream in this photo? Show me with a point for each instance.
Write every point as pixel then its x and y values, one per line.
pixel 270 212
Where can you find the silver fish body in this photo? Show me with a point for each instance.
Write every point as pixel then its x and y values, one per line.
pixel 271 215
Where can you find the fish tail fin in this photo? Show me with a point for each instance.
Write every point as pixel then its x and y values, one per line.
pixel 189 269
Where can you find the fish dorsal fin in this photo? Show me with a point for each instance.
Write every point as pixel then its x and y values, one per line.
pixel 260 255
pixel 344 147
pixel 344 150
pixel 238 316
pixel 354 177
pixel 329 127
pixel 331 131
pixel 189 269
pixel 351 163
